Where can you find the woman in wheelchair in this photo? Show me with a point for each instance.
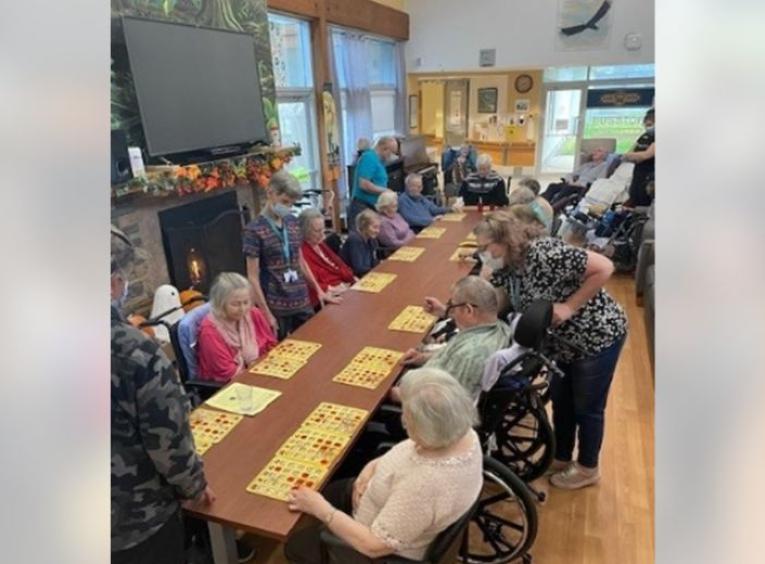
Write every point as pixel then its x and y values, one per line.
pixel 234 334
pixel 589 325
pixel 401 501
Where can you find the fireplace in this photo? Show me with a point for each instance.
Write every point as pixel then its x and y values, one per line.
pixel 202 239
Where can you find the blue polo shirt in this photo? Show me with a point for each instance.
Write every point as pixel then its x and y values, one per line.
pixel 371 168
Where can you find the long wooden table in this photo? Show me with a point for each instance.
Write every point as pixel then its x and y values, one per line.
pixel 343 330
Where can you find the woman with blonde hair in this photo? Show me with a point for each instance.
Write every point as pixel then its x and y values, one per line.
pixel 234 334
pixel 584 315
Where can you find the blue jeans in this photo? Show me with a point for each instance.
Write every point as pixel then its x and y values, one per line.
pixel 579 404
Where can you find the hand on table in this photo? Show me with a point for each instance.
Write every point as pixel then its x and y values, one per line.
pixel 207 497
pixel 413 357
pixel 394 394
pixel 330 298
pixel 308 501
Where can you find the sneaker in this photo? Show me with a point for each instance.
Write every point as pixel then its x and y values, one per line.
pixel 575 477
pixel 244 553
pixel 557 466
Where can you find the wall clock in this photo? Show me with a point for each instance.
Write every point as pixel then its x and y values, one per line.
pixel 524 83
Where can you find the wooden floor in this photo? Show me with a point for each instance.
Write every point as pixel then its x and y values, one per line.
pixel 613 521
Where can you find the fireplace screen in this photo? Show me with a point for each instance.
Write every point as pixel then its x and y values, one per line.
pixel 202 239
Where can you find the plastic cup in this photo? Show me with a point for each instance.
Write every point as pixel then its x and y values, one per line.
pixel 244 397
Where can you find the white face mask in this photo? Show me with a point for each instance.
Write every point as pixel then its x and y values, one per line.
pixel 281 210
pixel 489 261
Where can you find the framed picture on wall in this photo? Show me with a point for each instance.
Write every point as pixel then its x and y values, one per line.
pixel 487 100
pixel 522 105
pixel 414 106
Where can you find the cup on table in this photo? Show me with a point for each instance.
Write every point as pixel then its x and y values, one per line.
pixel 244 397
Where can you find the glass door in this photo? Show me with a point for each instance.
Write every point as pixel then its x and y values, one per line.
pixel 456 111
pixel 561 133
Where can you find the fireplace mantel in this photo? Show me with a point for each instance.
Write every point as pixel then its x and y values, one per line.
pixel 176 182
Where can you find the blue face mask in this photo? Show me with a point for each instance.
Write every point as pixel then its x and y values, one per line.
pixel 281 210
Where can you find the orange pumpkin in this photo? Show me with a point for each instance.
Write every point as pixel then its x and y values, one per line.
pixel 188 299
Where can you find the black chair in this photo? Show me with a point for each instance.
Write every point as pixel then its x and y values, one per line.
pixel 450 544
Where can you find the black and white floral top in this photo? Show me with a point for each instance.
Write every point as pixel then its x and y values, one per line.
pixel 554 271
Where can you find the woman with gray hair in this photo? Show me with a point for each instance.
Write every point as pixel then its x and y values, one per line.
pixel 360 248
pixel 484 186
pixel 394 230
pixel 332 275
pixel 234 334
pixel 402 500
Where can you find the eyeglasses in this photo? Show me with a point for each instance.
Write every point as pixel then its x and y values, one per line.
pixel 450 306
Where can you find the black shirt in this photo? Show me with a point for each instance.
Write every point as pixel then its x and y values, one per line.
pixel 489 189
pixel 643 172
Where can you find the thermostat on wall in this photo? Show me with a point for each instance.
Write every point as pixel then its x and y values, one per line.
pixel 487 57
pixel 633 41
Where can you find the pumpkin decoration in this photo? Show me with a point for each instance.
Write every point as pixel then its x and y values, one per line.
pixel 191 298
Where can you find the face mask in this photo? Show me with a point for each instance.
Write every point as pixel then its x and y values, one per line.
pixel 281 210
pixel 489 261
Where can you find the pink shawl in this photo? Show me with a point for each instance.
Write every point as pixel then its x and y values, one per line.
pixel 239 335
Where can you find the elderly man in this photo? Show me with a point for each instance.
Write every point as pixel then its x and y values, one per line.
pixel 370 179
pixel 578 181
pixel 484 186
pixel 154 464
pixel 473 307
pixel 417 210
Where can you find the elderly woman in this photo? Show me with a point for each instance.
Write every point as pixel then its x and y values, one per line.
pixel 394 230
pixel 584 315
pixel 484 186
pixel 401 501
pixel 234 334
pixel 360 248
pixel 330 272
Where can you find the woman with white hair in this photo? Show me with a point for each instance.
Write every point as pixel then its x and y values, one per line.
pixel 360 248
pixel 484 186
pixel 394 230
pixel 234 334
pixel 401 501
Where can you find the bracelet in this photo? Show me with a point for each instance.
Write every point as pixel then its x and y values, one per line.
pixel 330 516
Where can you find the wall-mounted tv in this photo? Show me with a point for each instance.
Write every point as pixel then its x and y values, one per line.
pixel 197 88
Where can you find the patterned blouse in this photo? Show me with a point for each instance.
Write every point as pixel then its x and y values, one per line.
pixel 554 271
pixel 285 295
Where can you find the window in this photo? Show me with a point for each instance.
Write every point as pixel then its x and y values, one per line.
pixel 295 98
pixel 565 74
pixel 382 86
pixel 621 71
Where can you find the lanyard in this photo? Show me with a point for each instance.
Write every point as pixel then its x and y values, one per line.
pixel 515 291
pixel 283 237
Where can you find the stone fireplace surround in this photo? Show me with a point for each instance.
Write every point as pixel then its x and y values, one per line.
pixel 139 219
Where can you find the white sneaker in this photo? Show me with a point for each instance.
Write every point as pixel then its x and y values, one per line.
pixel 557 466
pixel 575 477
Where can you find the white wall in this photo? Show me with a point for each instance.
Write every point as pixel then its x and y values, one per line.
pixel 447 34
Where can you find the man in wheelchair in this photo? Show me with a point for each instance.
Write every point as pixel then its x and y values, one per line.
pixel 473 306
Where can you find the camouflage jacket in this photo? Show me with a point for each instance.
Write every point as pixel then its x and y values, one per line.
pixel 154 464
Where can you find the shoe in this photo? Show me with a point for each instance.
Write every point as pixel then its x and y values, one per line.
pixel 557 466
pixel 244 553
pixel 575 477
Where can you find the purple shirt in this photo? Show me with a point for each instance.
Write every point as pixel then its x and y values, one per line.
pixel 394 231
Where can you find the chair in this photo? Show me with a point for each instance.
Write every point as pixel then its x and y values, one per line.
pixel 200 390
pixel 445 548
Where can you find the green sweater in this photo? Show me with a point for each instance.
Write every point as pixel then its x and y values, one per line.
pixel 466 353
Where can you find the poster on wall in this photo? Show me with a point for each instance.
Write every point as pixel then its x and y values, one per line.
pixel 584 24
pixel 522 106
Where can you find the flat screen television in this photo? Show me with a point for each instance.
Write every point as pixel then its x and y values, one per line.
pixel 197 88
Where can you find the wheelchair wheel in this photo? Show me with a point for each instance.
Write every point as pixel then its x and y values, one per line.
pixel 504 525
pixel 525 440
